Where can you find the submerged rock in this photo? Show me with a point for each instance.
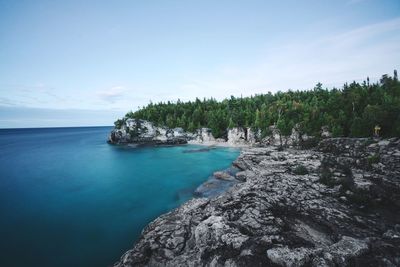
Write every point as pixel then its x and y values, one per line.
pixel 197 150
pixel 275 217
pixel 223 176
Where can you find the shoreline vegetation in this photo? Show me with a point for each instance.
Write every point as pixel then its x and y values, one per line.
pixel 351 111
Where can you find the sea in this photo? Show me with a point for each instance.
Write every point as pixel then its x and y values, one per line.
pixel 68 198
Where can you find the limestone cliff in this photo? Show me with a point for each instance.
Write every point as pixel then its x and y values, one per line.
pixel 141 132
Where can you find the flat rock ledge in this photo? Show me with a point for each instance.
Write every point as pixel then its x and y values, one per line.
pixel 336 205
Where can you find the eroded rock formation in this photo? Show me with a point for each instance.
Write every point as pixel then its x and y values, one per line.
pixel 143 132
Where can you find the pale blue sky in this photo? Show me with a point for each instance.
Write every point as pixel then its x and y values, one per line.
pixel 71 63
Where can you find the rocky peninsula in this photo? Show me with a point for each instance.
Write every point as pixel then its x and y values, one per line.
pixel 335 204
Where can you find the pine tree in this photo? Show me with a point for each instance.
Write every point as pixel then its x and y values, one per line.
pixel 257 122
pixel 231 124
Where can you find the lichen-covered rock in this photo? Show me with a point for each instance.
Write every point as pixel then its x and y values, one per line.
pixel 347 248
pixel 275 217
pixel 295 257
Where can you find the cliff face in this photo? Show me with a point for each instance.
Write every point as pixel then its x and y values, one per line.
pixel 143 132
pixel 336 205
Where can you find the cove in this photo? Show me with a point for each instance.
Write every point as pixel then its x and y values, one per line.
pixel 67 198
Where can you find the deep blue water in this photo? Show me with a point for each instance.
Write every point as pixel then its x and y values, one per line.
pixel 67 198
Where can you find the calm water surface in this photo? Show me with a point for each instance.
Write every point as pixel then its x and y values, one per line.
pixel 67 198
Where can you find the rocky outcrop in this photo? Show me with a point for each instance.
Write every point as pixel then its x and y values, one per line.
pixel 141 132
pixel 204 135
pixel 291 208
pixel 237 136
pixel 277 139
pixel 253 135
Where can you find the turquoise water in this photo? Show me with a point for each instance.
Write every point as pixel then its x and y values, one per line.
pixel 67 198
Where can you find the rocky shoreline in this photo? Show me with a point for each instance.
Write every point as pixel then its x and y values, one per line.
pixel 334 205
pixel 144 133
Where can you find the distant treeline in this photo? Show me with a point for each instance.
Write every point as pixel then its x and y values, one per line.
pixel 354 110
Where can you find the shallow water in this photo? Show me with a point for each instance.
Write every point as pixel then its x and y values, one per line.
pixel 67 198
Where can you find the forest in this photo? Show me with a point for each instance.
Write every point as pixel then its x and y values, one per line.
pixel 353 110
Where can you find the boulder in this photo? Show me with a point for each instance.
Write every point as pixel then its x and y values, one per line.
pixel 325 133
pixel 295 257
pixel 346 249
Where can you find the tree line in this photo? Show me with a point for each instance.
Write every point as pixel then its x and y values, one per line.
pixel 353 110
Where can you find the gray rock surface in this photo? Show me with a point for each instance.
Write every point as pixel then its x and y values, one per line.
pixel 204 135
pixel 237 136
pixel 343 212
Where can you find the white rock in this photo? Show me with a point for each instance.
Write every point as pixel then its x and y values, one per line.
pixel 236 136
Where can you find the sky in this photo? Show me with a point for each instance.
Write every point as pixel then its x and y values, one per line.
pixel 86 63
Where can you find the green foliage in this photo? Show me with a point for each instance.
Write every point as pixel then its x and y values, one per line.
pixel 231 124
pixel 300 170
pixel 337 131
pixel 358 128
pixel 119 123
pixel 353 110
pixel 326 177
pixel 373 159
pixel 284 127
pixel 135 131
pixel 347 181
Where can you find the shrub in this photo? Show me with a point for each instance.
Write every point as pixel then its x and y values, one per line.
pixel 373 159
pixel 300 170
pixel 326 177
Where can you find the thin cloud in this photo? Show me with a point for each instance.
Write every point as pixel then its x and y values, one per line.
pixel 7 102
pixel 113 94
